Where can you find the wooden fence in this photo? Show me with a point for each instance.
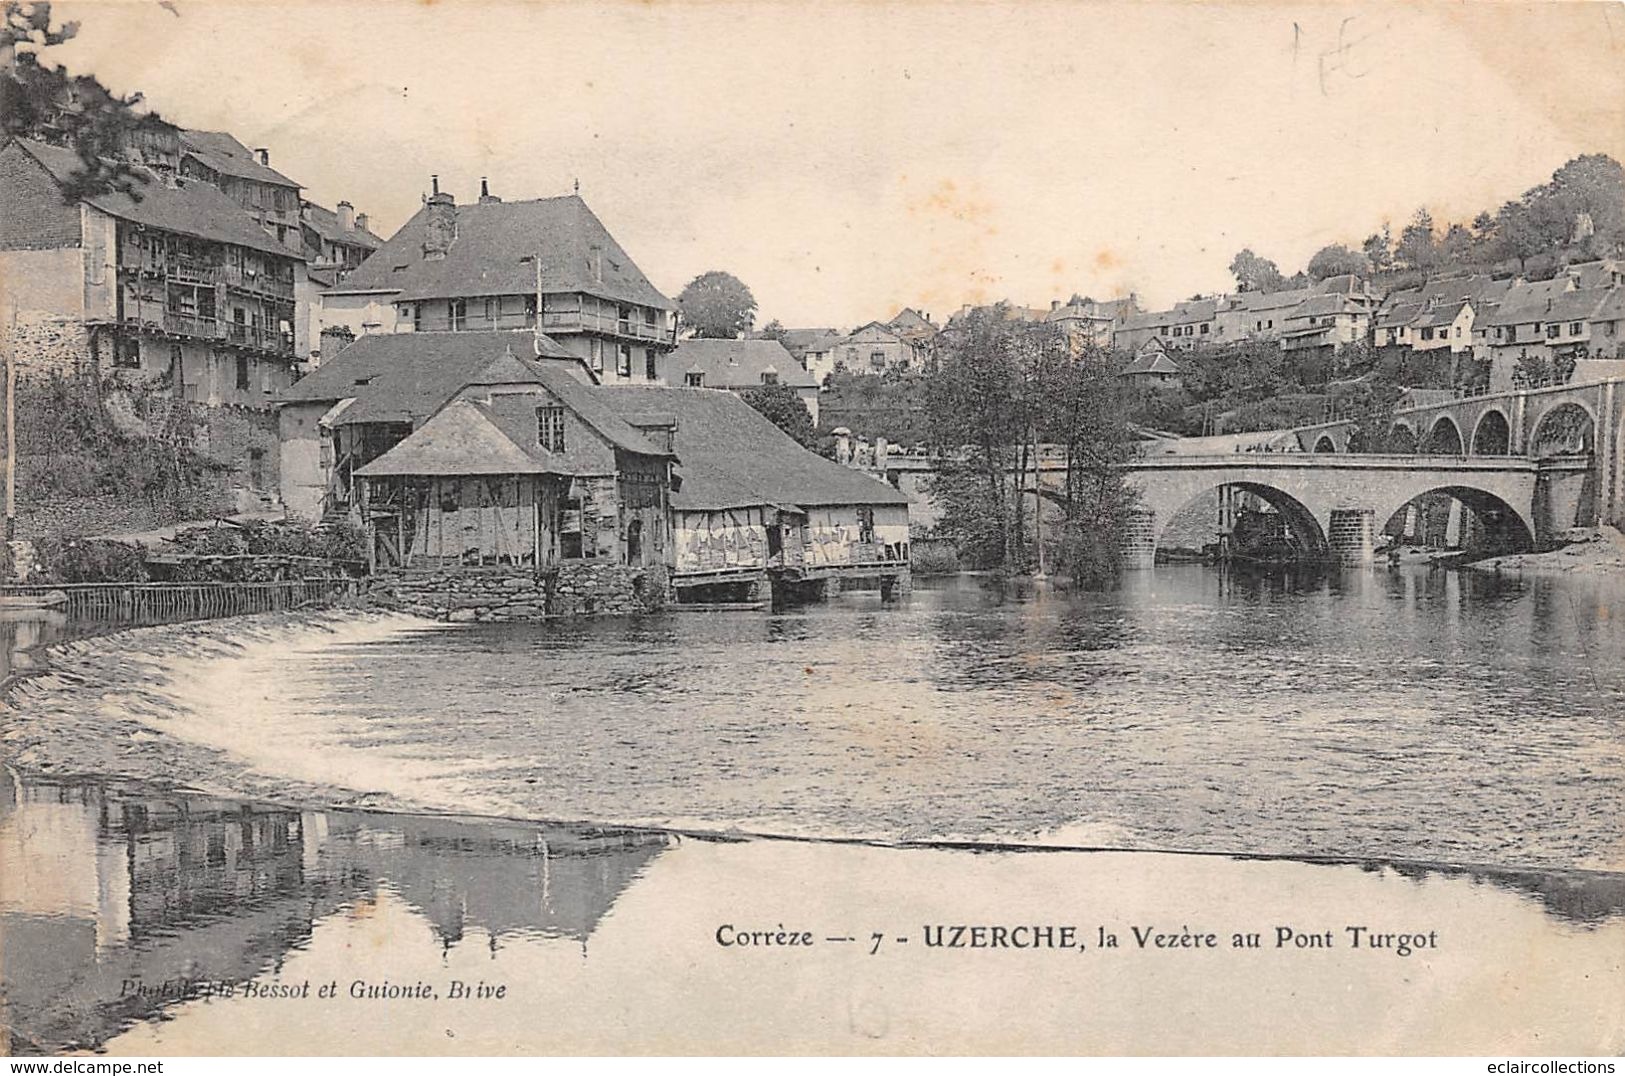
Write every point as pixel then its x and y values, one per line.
pixel 166 603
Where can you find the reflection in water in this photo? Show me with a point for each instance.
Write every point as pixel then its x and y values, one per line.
pixel 24 633
pixel 116 905
pixel 120 907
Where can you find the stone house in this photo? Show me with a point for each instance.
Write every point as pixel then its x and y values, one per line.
pixel 657 480
pixel 179 293
pixel 1153 367
pixel 737 365
pixel 247 178
pixel 548 265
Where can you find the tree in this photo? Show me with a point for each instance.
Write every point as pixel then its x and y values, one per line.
pixel 1379 249
pixel 1416 246
pixel 76 111
pixel 1253 273
pixel 774 330
pixel 1338 260
pixel 780 405
pixel 1002 388
pixel 717 305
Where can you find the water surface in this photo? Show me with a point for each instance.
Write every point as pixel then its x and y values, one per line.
pixel 1407 714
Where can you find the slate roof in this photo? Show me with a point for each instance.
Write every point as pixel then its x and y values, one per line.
pixel 1151 362
pixel 194 208
pixel 463 438
pixel 494 251
pixel 325 223
pixel 1443 314
pixel 405 377
pixel 224 154
pixel 1530 302
pixel 733 457
pixel 733 364
pixel 1399 315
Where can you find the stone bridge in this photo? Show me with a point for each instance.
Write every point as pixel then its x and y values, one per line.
pixel 1336 505
pixel 1566 420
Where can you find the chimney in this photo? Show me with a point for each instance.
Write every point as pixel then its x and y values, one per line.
pixel 441 228
pixel 1055 304
pixel 264 155
pixel 361 221
pixel 347 216
pixel 598 262
pixel 486 197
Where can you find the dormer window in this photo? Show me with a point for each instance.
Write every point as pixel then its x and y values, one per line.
pixel 694 379
pixel 770 377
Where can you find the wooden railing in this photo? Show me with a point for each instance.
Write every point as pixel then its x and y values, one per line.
pixel 132 604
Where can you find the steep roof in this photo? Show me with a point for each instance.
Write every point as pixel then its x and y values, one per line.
pixel 325 223
pixel 192 208
pixel 733 457
pixel 462 438
pixel 1443 314
pixel 1149 361
pixel 733 364
pixel 910 322
pixel 222 153
pixel 495 252
pixel 1530 302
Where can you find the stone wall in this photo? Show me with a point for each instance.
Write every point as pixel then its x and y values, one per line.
pixel 47 345
pixel 574 588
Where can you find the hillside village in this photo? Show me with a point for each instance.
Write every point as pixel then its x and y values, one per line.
pixel 499 382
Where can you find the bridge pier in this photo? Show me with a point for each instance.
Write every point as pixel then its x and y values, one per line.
pixel 1352 535
pixel 1139 547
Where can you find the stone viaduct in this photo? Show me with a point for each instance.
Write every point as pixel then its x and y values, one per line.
pixel 1568 420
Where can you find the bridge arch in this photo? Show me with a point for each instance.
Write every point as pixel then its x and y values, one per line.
pixel 1568 428
pixel 1325 444
pixel 1402 438
pixel 1444 438
pixel 1506 529
pixel 1492 436
pixel 1299 518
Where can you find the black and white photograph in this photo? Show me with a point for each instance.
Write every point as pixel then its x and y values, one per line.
pixel 727 528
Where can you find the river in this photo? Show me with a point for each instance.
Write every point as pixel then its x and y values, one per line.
pixel 1421 748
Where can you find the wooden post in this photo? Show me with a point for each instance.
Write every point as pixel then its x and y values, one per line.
pixel 11 430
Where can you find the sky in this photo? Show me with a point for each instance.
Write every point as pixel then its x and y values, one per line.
pixel 848 159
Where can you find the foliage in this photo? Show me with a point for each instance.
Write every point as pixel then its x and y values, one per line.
pixel 932 558
pixel 774 330
pixel 1338 260
pixel 41 101
pixel 1003 388
pixel 70 446
pixel 876 405
pixel 1254 273
pixel 782 407
pixel 72 559
pixel 252 551
pixel 717 305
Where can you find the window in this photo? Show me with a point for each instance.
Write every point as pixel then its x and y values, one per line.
pixel 127 351
pixel 650 368
pixel 242 371
pixel 877 359
pixel 1552 331
pixel 694 379
pixel 1574 329
pixel 459 314
pixel 550 428
pixel 596 356
pixel 623 360
pixel 1427 334
pixel 1204 330
pixel 770 377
